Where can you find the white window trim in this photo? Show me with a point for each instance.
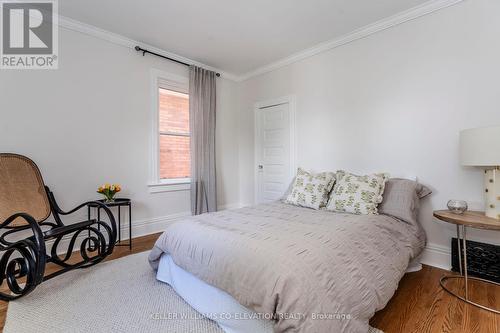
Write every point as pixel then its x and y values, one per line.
pixel 172 82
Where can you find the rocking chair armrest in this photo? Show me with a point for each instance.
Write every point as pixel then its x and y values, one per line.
pixel 32 223
pixel 93 203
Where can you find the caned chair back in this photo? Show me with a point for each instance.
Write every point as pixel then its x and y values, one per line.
pixel 21 189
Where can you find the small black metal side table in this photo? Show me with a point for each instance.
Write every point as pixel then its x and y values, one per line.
pixel 120 202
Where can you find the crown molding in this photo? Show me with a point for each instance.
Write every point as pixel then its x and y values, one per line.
pixel 90 30
pixel 405 16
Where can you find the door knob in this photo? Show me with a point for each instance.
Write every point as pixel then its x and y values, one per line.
pixel 260 167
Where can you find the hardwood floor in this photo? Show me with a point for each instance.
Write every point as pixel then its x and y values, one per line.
pixel 419 305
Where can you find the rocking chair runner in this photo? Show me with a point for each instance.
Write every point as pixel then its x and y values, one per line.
pixel 25 205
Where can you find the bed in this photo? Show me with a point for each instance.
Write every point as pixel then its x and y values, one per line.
pixel 302 270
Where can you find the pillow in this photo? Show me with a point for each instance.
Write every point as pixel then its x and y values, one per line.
pixel 402 199
pixel 357 194
pixel 311 190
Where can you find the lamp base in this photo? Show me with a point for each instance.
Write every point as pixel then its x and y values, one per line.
pixel 492 189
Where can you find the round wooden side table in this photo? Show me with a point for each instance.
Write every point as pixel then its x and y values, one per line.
pixel 473 220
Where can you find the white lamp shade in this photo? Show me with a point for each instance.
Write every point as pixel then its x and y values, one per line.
pixel 480 146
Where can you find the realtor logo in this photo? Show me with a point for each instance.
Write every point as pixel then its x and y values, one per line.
pixel 29 34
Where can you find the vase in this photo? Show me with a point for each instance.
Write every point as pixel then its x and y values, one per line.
pixel 109 200
pixel 457 206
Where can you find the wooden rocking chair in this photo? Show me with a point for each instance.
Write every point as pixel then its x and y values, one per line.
pixel 25 205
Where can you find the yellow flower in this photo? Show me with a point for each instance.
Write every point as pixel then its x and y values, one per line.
pixel 100 189
pixel 112 188
pixel 107 186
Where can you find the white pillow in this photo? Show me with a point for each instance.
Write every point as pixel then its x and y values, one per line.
pixel 311 190
pixel 357 194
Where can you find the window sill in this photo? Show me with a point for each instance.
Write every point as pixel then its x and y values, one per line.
pixel 169 186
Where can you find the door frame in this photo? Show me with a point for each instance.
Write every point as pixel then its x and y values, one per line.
pixel 292 105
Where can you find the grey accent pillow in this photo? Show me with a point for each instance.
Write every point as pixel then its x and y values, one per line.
pixel 402 199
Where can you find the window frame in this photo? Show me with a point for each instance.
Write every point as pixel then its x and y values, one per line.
pixel 165 80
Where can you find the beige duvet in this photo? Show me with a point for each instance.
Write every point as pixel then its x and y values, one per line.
pixel 315 271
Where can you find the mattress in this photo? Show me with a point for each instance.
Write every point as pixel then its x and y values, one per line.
pixel 211 302
pixel 312 270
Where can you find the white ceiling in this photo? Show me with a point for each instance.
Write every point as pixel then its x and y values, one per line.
pixel 235 36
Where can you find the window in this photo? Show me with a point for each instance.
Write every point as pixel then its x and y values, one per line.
pixel 173 113
pixel 170 137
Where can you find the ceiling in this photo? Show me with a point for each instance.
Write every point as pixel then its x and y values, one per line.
pixel 235 36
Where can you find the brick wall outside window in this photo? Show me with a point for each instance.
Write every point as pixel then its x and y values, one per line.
pixel 175 160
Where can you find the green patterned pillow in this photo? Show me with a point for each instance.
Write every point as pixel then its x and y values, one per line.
pixel 311 190
pixel 357 194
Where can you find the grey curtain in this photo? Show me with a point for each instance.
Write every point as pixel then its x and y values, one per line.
pixel 202 127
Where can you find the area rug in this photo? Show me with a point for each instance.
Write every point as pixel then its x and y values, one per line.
pixel 121 295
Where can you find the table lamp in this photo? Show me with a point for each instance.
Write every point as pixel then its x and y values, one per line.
pixel 480 147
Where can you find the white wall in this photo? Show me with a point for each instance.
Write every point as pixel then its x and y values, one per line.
pixel 89 122
pixel 394 101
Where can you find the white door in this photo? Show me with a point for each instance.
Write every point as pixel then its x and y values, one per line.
pixel 274 152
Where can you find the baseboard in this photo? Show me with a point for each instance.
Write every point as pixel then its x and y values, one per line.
pixel 141 227
pixel 159 224
pixel 229 206
pixel 437 256
pixel 150 226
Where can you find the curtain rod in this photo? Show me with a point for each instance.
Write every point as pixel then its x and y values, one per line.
pixel 140 49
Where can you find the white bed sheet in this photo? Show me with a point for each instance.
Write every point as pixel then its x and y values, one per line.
pixel 212 302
